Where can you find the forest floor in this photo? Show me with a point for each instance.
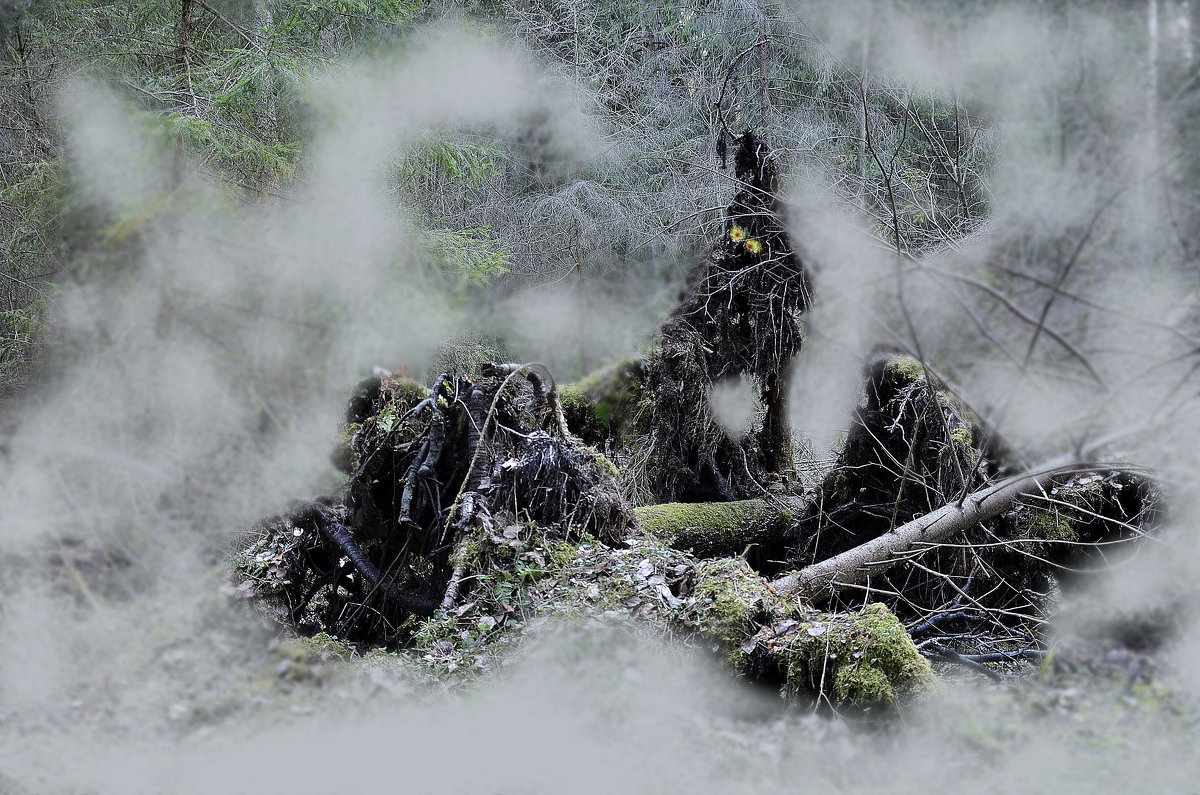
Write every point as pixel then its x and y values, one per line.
pixel 577 661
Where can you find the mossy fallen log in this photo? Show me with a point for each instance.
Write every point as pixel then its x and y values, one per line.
pixel 605 405
pixel 730 601
pixel 712 529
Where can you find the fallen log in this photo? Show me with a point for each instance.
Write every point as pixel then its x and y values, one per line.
pixel 854 567
pixel 713 529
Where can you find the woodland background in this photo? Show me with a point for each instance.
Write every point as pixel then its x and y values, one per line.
pixel 217 215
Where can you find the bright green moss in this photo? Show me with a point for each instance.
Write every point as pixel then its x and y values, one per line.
pixel 729 595
pixel 404 392
pixel 961 438
pixel 960 446
pixel 600 403
pixel 575 399
pixel 863 660
pixel 604 462
pixel 863 685
pixel 713 528
pixel 904 370
pixel 1052 525
pixel 1044 528
pixel 562 554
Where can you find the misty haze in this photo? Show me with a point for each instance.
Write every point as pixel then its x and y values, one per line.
pixel 560 397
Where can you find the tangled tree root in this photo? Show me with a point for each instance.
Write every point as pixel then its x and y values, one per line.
pixel 470 483
pixel 433 475
pixel 740 317
pixel 467 504
pixel 906 513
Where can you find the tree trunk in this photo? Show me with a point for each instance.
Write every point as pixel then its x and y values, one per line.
pixel 856 566
pixel 775 438
pixel 712 529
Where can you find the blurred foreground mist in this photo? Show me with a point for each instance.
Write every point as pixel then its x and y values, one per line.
pixel 206 379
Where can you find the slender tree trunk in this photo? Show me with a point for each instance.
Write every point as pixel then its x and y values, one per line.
pixel 183 65
pixel 1152 69
pixel 764 75
pixel 864 58
pixel 583 308
pixel 23 53
pixel 1146 195
pixel 162 325
pixel 183 58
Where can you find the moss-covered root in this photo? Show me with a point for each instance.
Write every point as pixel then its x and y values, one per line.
pixel 731 602
pixel 710 529
pixel 862 661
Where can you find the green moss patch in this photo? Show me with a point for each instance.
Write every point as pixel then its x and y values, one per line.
pixel 729 599
pixel 404 392
pixel 714 528
pixel 904 370
pixel 601 404
pixel 303 658
pixel 860 661
pixel 961 446
pixel 1045 530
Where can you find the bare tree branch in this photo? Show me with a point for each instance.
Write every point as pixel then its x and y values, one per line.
pixel 854 566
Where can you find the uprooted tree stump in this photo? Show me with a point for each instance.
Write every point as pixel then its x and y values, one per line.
pixel 739 317
pixel 432 472
pixel 915 457
pixel 474 503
